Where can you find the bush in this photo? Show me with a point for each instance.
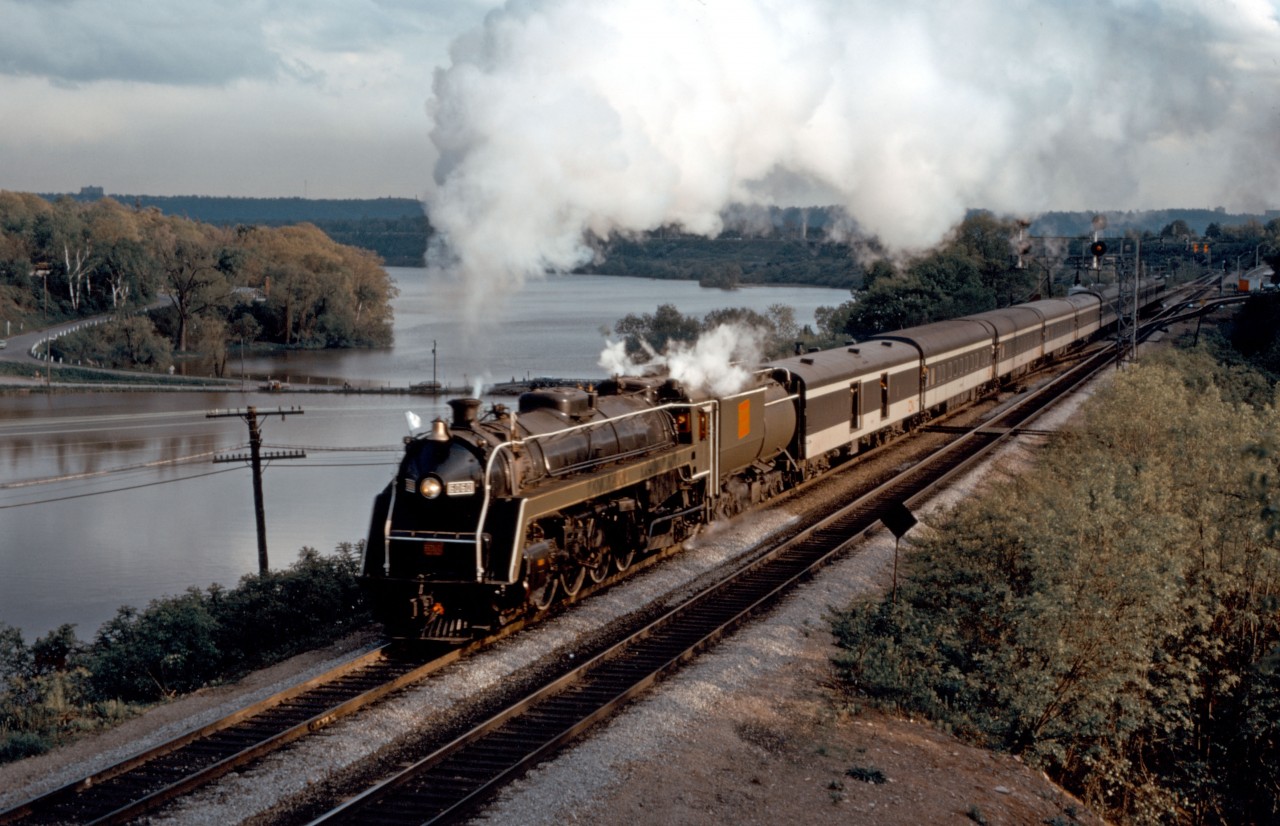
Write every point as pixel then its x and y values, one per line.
pixel 274 615
pixel 15 745
pixel 170 647
pixel 1111 615
pixel 181 643
pixel 128 343
pixel 58 687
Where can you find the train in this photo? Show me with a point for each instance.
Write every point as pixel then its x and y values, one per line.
pixel 496 514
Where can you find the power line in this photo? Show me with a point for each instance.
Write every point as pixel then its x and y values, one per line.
pixel 93 474
pixel 72 496
pixel 310 465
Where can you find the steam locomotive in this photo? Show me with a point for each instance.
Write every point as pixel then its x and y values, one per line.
pixel 493 515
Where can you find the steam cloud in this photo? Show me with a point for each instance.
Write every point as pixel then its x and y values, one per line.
pixel 714 363
pixel 557 121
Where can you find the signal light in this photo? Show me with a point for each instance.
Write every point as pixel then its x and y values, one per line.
pixel 1098 249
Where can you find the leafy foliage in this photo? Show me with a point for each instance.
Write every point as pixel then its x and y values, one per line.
pixel 1111 615
pixel 656 331
pixel 69 259
pixel 132 342
pixel 58 686
pixel 974 271
pixel 395 229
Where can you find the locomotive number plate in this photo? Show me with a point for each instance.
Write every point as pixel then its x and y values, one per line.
pixel 461 488
pixel 433 549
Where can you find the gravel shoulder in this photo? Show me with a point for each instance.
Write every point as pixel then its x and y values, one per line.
pixel 755 731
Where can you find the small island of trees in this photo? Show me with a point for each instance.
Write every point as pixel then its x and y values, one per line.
pixel 210 287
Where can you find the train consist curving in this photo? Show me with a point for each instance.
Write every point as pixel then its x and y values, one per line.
pixel 493 516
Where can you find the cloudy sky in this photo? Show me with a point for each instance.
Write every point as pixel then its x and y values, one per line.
pixel 222 97
pixel 528 125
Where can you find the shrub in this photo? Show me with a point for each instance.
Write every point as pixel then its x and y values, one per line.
pixel 1110 614
pixel 274 615
pixel 168 648
pixel 58 687
pixel 15 745
pixel 867 774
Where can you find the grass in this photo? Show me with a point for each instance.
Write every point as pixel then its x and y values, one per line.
pixel 88 375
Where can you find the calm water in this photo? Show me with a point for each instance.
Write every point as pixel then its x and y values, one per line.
pixel 113 499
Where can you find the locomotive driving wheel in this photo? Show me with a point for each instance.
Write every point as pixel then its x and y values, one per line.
pixel 623 559
pixel 571 579
pixel 541 598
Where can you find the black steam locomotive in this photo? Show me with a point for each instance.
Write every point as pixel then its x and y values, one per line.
pixel 493 515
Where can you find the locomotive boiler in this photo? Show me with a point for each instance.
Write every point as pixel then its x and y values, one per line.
pixel 496 513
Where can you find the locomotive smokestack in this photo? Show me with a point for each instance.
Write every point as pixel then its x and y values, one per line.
pixel 464 412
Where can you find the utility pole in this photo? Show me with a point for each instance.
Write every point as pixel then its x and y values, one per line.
pixel 1137 279
pixel 255 457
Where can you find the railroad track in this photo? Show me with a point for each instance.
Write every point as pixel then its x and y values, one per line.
pixel 453 779
pixel 152 778
pixel 565 706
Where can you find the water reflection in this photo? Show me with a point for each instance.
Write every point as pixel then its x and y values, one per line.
pixel 113 498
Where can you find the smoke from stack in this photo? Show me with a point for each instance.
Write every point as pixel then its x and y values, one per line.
pixel 559 122
pixel 719 362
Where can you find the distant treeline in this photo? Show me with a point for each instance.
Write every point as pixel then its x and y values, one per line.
pixel 760 245
pixel 727 262
pixel 1072 224
pixel 394 228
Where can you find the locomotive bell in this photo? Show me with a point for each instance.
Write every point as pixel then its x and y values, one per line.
pixel 464 412
pixel 439 431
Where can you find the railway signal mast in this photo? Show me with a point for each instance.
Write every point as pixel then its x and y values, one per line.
pixel 1128 272
pixel 255 457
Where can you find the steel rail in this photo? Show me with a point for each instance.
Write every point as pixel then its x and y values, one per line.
pixel 452 779
pixel 155 776
pixel 39 808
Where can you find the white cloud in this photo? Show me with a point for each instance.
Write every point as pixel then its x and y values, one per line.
pixel 238 97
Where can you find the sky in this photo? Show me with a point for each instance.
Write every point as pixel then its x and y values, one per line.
pixel 259 98
pixel 531 127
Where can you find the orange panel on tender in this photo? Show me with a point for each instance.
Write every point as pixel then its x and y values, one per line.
pixel 744 418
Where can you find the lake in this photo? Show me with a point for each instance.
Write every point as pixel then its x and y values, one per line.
pixel 108 499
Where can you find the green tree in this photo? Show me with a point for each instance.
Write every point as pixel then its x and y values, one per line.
pixel 121 256
pixel 188 256
pixel 652 331
pixel 880 270
pixel 318 293
pixel 138 345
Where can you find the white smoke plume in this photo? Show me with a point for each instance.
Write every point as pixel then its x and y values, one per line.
pixel 719 362
pixel 560 121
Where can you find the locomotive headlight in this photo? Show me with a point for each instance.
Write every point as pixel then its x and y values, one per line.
pixel 430 487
